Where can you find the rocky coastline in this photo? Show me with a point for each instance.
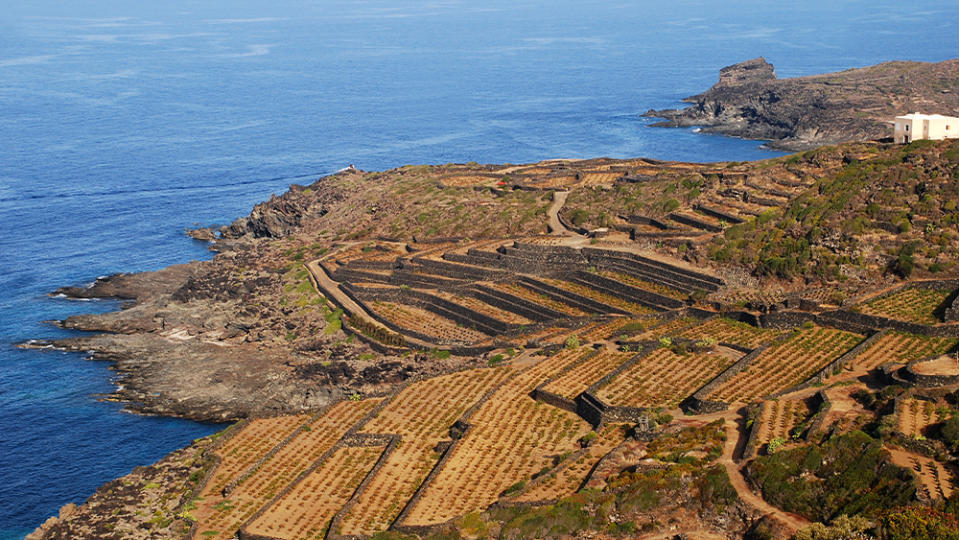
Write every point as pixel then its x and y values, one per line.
pixel 801 113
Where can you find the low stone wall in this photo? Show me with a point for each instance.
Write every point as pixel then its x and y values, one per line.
pixel 646 298
pixel 455 270
pixel 515 304
pixel 750 197
pixel 554 400
pixel 699 403
pixel 346 274
pixel 925 380
pixel 637 219
pixel 819 419
pixel 570 298
pixel 718 214
pixel 784 320
pixel 697 279
pixel 752 442
pixel 696 223
pixel 843 319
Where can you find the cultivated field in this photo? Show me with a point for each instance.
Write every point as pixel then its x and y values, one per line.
pixel 642 284
pixel 593 368
pixel 599 296
pixel 527 294
pixel 909 304
pixel 787 364
pixel 512 437
pixel 219 516
pixel 901 347
pixel 934 479
pixel 306 511
pixel 426 322
pixel 421 415
pixel 667 328
pixel 254 440
pixel 486 309
pixel 665 378
pixel 567 477
pixel 723 330
pixel 778 417
pixel 915 415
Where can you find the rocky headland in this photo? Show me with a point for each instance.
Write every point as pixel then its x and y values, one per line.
pixel 800 113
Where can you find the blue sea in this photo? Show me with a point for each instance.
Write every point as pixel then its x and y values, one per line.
pixel 123 123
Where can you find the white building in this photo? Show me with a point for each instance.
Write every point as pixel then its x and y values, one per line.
pixel 916 126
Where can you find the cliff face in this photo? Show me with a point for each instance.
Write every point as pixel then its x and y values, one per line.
pixel 749 101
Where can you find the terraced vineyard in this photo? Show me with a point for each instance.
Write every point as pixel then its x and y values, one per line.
pixel 642 284
pixel 723 330
pixel 786 364
pixel 604 330
pixel 600 178
pixel 421 415
pixel 665 378
pixel 568 476
pixel 911 304
pixel 306 511
pixel 253 442
pixel 219 516
pixel 426 322
pixel 483 308
pixel 902 347
pixel 599 296
pixel 778 417
pixel 593 368
pixel 511 438
pixel 915 415
pixel 667 328
pixel 538 298
pixel 935 480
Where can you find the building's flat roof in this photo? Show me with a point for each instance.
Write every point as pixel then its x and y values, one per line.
pixel 920 116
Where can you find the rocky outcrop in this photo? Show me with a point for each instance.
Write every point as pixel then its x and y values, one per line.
pixel 282 215
pixel 749 101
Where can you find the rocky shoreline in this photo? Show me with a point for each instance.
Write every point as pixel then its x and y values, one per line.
pixel 241 335
pixel 801 113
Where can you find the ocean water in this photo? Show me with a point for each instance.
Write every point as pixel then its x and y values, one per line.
pixel 123 123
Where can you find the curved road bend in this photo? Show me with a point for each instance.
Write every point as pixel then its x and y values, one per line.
pixel 330 289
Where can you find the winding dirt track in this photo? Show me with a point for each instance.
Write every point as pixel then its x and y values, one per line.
pixel 555 225
pixel 734 434
pixel 330 289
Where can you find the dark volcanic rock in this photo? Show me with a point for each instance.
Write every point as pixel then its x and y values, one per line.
pixel 749 101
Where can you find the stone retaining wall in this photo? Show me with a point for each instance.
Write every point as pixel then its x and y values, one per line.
pixel 515 304
pixel 696 223
pixel 718 214
pixel 637 219
pixel 925 380
pixel 570 298
pixel 643 297
pixel 699 403
pixel 819 419
pixel 696 279
pixel 455 270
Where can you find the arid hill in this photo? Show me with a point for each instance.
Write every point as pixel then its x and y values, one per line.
pixel 603 348
pixel 805 112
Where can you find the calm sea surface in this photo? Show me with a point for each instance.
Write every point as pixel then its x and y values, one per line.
pixel 122 124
